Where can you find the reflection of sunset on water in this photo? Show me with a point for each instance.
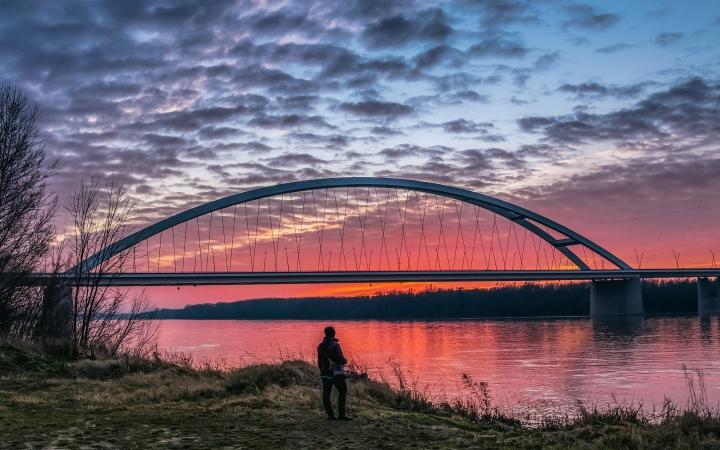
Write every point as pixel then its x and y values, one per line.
pixel 557 361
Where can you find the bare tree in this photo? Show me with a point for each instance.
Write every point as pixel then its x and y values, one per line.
pixel 26 211
pixel 105 317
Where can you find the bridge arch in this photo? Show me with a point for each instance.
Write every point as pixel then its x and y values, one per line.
pixel 522 217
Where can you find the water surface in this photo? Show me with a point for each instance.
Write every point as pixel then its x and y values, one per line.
pixel 526 362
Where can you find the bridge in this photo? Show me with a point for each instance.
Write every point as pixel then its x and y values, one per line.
pixel 366 229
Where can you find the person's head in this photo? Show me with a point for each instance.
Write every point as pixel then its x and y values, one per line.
pixel 329 331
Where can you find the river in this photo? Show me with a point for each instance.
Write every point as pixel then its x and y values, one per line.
pixel 536 364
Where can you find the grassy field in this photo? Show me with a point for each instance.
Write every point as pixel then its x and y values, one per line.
pixel 135 403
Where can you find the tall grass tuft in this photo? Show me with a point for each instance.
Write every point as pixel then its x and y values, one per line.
pixel 477 405
pixel 256 378
pixel 698 403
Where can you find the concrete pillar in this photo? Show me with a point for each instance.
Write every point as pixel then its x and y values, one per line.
pixel 616 298
pixel 56 321
pixel 707 304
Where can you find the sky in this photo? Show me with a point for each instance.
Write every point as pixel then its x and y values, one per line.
pixel 603 116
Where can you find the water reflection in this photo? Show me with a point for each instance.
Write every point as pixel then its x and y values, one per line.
pixel 616 326
pixel 548 361
pixel 709 329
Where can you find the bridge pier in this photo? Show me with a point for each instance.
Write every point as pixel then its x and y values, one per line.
pixel 621 297
pixel 706 304
pixel 56 320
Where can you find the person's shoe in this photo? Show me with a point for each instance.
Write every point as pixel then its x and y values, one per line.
pixel 332 418
pixel 345 417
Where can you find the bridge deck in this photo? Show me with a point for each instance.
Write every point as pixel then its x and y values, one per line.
pixel 240 278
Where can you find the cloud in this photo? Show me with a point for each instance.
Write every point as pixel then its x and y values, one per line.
pixel 498 47
pixel 427 26
pixel 106 136
pixel 668 39
pixel 210 132
pixel 164 141
pixel 596 90
pixel 614 48
pixel 334 141
pixel 275 80
pixel 334 62
pixel 488 159
pixel 372 9
pixel 689 110
pixel 385 131
pixel 435 55
pixel 288 121
pixel 188 101
pixel 255 146
pixel 653 180
pixel 546 62
pixel 294 160
pixel 474 168
pixel 469 96
pixel 657 14
pixel 411 151
pixel 585 16
pixel 538 151
pixel 130 167
pixel 520 77
pixel 501 12
pixel 191 120
pixel 252 175
pixel 377 109
pixel 612 196
pixel 107 89
pixel 298 102
pixel 201 153
pixel 466 126
pixel 457 81
pixel 278 23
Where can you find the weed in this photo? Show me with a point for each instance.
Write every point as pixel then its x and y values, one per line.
pixel 254 379
pixel 477 405
pixel 28 359
pixel 698 403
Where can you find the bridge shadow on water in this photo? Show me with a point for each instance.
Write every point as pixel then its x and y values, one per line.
pixel 625 326
pixel 709 328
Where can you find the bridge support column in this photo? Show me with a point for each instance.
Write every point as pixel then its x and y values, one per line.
pixel 56 321
pixel 706 304
pixel 616 298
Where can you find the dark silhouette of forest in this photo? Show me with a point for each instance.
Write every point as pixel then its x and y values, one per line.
pixel 507 300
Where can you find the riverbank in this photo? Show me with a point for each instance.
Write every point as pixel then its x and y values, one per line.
pixel 164 403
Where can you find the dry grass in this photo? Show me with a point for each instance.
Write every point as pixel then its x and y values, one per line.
pixel 172 402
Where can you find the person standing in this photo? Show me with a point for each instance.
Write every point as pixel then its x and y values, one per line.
pixel 330 363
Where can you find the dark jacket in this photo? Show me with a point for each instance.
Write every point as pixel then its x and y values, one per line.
pixel 329 350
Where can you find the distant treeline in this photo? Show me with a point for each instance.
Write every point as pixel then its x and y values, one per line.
pixel 509 300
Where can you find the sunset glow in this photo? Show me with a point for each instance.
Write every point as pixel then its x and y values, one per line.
pixel 601 116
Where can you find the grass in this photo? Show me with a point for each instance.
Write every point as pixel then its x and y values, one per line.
pixel 170 402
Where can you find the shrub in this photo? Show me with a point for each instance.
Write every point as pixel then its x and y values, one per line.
pixel 14 359
pixel 118 367
pixel 254 379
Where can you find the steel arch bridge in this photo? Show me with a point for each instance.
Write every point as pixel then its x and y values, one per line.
pixel 354 229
